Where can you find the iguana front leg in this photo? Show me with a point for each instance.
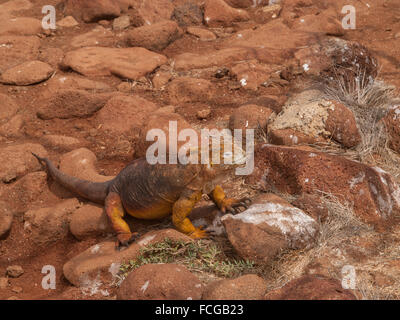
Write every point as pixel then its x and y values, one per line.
pixel 115 212
pixel 228 204
pixel 181 209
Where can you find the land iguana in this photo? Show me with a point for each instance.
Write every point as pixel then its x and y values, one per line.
pixel 148 191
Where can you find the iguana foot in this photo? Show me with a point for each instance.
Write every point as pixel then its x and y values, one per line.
pixel 235 206
pixel 199 233
pixel 125 239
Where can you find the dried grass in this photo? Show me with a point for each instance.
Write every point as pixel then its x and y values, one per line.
pixel 340 225
pixel 370 100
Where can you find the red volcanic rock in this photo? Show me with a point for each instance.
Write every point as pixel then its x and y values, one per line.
pixel 218 13
pixel 92 11
pixel 27 73
pixel 247 287
pixel 6 218
pixel 374 193
pixel 47 225
pixel 150 12
pixel 72 103
pixel 160 282
pixel 342 125
pixel 186 89
pixel 250 117
pixel 89 221
pixel 102 261
pixel 123 113
pixel 17 160
pixel 311 288
pixel 161 121
pixel 17 49
pixel 154 37
pixel 268 226
pixel 127 63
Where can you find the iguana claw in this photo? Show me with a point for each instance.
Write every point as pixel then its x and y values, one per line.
pixel 125 239
pixel 238 206
pixel 199 233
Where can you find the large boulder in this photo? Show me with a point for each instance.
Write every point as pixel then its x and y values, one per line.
pixel 92 11
pixel 62 143
pixel 187 61
pixel 186 89
pixel 48 225
pixel 325 22
pixel 99 36
pixel 74 81
pixel 149 12
pixel 311 288
pixel 126 63
pixel 165 122
pixel 8 108
pixel 14 127
pixel 250 117
pixel 89 221
pixel 28 192
pixel 217 13
pixel 247 287
pixel 121 114
pixel 72 103
pixel 342 125
pixel 102 261
pixel 160 282
pixel 373 193
pixel 6 218
pixel 27 73
pixel 12 6
pixel 188 14
pixel 251 74
pixel 275 34
pixel 309 118
pixel 15 50
pixel 23 26
pixel 246 3
pixel 17 160
pixel 154 37
pixel 268 226
pixel 201 33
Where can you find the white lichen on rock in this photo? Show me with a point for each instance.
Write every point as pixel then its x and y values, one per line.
pixel 306 113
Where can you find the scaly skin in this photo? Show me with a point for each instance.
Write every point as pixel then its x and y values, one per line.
pixel 147 191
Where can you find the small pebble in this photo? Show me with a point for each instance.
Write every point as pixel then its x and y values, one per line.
pixel 15 271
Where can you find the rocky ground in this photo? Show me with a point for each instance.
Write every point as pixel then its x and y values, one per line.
pixel 322 100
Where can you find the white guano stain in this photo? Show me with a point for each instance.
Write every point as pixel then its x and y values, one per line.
pixel 294 224
pixel 95 249
pixel 114 269
pixel 145 241
pixel 357 180
pixel 145 286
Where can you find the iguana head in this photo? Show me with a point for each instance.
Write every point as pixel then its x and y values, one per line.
pixel 219 152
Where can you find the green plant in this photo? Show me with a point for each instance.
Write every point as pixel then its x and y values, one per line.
pixel 198 256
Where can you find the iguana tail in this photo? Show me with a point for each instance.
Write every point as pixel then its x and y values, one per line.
pixel 93 191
